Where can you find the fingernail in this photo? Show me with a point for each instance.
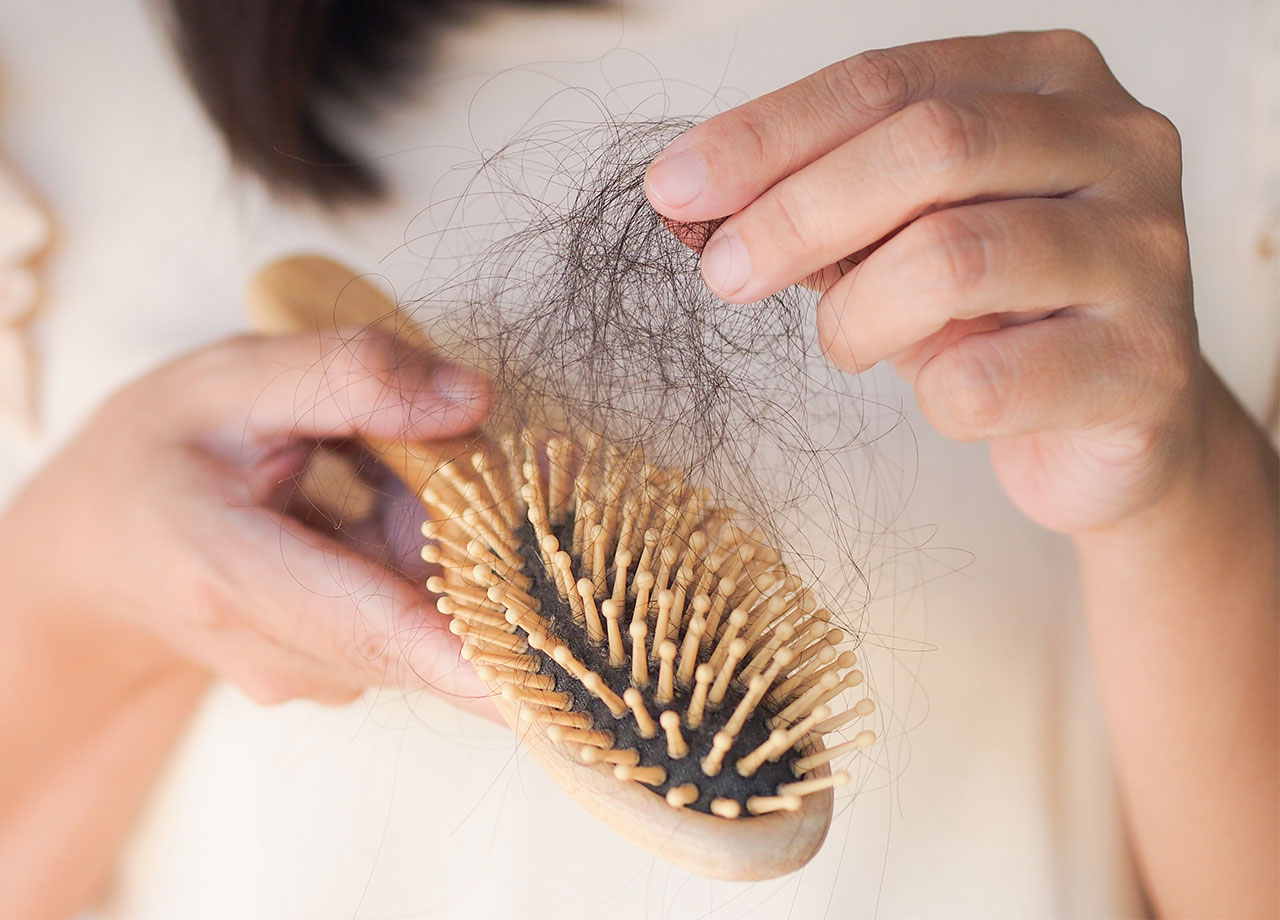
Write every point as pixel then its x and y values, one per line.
pixel 677 177
pixel 459 385
pixel 726 267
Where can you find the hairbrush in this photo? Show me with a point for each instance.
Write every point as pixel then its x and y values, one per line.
pixel 652 651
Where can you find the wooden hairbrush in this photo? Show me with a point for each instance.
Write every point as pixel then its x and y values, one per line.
pixel 654 655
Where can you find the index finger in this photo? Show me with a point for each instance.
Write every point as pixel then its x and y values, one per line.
pixel 720 166
pixel 347 383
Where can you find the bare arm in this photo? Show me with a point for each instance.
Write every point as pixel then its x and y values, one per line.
pixel 88 718
pixel 1183 604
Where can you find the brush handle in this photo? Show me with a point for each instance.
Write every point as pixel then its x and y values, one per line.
pixel 306 293
pixel 312 293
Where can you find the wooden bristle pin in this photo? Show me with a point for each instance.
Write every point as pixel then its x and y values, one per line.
pixel 810 786
pixel 680 796
pixel 563 717
pixel 500 659
pixel 726 808
pixel 551 699
pixel 593 683
pixel 486 635
pixel 621 562
pixel 651 776
pixel 644 722
pixel 533 681
pixel 861 709
pixel 736 621
pixel 660 630
pixel 586 590
pixel 639 656
pixel 766 804
pixel 719 603
pixel 563 735
pixel 627 756
pixel 802 675
pixel 689 651
pixel 643 583
pixel 737 649
pixel 779 741
pixel 714 761
pixel 859 741
pixel 676 746
pixel 612 610
pixel 666 671
pixel 640 634
pixel 702 684
pixel 599 536
pixel 566 659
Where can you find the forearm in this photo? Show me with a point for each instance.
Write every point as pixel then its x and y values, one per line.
pixel 89 712
pixel 1183 605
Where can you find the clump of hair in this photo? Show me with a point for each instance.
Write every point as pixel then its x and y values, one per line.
pixel 592 316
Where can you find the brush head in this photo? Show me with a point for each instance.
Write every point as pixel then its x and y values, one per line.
pixel 655 656
pixel 638 629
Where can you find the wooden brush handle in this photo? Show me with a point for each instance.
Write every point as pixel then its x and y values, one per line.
pixel 302 293
pixel 311 293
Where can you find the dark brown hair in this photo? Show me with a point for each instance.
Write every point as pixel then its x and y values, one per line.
pixel 273 74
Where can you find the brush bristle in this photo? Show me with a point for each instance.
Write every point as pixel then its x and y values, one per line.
pixel 617 605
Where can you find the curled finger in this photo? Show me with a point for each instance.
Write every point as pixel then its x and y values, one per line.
pixel 1022 256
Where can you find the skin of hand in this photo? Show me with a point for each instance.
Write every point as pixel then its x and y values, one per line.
pixel 998 218
pixel 172 504
pixel 1021 254
pixel 168 542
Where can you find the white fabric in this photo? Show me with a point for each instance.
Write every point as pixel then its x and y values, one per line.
pixel 990 793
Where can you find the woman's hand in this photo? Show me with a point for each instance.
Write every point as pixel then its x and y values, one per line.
pixel 174 515
pixel 1002 221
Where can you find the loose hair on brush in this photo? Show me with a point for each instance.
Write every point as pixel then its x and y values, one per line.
pixel 647 556
pixel 620 375
pixel 273 75
pixel 590 313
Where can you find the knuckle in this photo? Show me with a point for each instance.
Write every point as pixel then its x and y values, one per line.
pixel 760 133
pixel 1167 243
pixel 1159 137
pixel 269 689
pixel 955 254
pixel 211 607
pixel 1071 44
pixel 1167 353
pixel 368 650
pixel 793 220
pixel 223 361
pixel 337 695
pixel 879 82
pixel 959 394
pixel 362 374
pixel 752 139
pixel 368 353
pixel 937 135
pixel 834 335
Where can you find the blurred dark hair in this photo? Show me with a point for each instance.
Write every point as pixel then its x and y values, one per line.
pixel 272 75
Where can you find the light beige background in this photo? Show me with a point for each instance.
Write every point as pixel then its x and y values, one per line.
pixel 989 794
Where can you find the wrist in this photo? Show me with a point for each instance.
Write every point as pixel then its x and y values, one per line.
pixel 1221 471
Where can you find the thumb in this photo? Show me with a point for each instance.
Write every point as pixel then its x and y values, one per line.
pixel 334 385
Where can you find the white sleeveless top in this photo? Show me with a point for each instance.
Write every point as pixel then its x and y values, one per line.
pixel 990 792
